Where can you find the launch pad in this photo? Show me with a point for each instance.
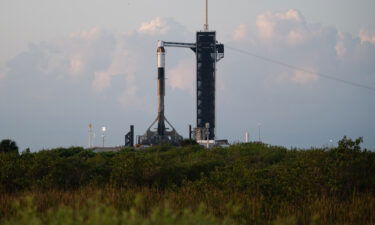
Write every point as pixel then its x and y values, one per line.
pixel 208 52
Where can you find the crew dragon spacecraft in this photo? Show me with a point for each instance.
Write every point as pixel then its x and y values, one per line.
pixel 208 51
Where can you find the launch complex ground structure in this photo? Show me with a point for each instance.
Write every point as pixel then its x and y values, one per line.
pixel 208 52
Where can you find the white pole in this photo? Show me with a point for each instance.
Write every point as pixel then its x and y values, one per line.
pixel 247 137
pixel 104 129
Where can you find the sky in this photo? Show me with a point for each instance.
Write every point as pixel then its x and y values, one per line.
pixel 66 64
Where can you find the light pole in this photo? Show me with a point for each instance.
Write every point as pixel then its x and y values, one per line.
pixel 103 134
pixel 259 125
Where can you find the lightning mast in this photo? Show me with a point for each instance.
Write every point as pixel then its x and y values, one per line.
pixel 205 27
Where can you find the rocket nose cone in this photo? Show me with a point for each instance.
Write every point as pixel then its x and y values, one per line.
pixel 160 49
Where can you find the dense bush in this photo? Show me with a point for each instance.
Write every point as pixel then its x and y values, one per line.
pixel 8 146
pixel 251 183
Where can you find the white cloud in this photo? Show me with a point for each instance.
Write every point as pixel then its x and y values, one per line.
pixel 340 47
pixel 291 14
pixel 295 36
pixel 100 59
pixel 182 76
pixel 107 62
pixel 118 66
pixel 289 27
pixel 367 36
pixel 88 52
pixel 288 37
pixel 154 27
pixel 265 26
pixel 308 104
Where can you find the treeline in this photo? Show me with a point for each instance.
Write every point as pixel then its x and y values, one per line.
pixel 271 170
pixel 261 183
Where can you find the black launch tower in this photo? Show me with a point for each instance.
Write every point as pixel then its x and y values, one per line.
pixel 208 52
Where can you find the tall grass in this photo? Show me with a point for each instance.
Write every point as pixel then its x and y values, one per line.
pixel 152 205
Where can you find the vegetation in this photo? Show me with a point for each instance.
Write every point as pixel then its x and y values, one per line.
pixel 243 184
pixel 8 146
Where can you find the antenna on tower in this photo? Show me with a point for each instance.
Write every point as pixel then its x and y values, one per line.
pixel 206 24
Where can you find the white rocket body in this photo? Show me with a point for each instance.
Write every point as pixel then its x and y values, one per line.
pixel 161 89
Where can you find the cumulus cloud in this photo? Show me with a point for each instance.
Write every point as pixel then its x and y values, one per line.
pixel 183 75
pixel 292 15
pixel 288 37
pixel 155 26
pixel 289 26
pixel 367 36
pixel 265 26
pixel 341 48
pixel 89 51
pixel 101 59
pixel 258 89
pixel 295 36
pixel 118 66
pixel 161 26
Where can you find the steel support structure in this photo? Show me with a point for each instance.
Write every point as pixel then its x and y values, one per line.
pixel 208 51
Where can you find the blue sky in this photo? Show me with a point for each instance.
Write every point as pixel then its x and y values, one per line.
pixel 65 64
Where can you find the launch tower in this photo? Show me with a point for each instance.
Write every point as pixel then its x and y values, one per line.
pixel 208 51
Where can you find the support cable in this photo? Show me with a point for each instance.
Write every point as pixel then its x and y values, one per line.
pixel 301 69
